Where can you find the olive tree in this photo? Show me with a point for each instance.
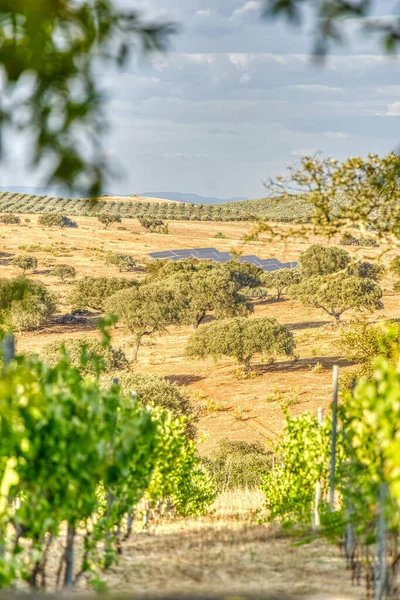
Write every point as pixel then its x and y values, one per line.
pixel 242 338
pixel 124 262
pixel 280 280
pixel 53 219
pixel 323 260
pixel 145 310
pixel 208 291
pixel 108 219
pixel 25 262
pixel 24 303
pixel 92 292
pixel 10 219
pixel 63 272
pixel 336 294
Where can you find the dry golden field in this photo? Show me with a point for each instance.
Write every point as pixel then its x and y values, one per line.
pixel 230 406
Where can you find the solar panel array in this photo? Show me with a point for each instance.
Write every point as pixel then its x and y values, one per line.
pixel 267 264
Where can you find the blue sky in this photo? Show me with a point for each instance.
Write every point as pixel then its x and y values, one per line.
pixel 237 100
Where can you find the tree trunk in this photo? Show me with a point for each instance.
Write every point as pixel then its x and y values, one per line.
pixel 199 319
pixel 279 294
pixel 247 365
pixel 136 349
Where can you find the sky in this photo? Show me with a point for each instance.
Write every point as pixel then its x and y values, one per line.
pixel 237 100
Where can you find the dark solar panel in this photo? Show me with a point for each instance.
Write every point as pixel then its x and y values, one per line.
pixel 267 264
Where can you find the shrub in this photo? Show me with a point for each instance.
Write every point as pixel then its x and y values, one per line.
pixel 124 262
pixel 367 270
pixel 156 391
pixel 92 292
pixel 241 338
pixel 220 236
pixel 153 225
pixel 369 242
pixel 349 240
pixel 24 303
pixel 239 465
pixel 108 219
pixel 55 220
pixel 84 354
pixel 24 262
pixel 395 265
pixel 362 342
pixel 10 219
pixel 63 272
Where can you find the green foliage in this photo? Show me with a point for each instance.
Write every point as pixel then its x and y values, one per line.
pixel 280 280
pixel 87 354
pixel 363 342
pixel 220 236
pixel 10 219
pixel 254 293
pixel 24 262
pixel 55 220
pixel 301 459
pixel 395 265
pixel 239 465
pixel 157 392
pixel 153 225
pixel 338 294
pixel 349 240
pixel 124 262
pixel 108 219
pixel 322 260
pixel 202 292
pixel 92 292
pixel 241 338
pixel 367 270
pixel 24 303
pixel 145 310
pixel 63 272
pixel 59 45
pixel 243 274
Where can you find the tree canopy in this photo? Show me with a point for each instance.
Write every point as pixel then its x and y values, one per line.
pixel 322 260
pixel 24 303
pixel 336 294
pixel 92 292
pixel 241 338
pixel 145 310
pixel 280 280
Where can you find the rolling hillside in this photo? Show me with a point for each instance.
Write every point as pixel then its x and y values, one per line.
pixel 295 208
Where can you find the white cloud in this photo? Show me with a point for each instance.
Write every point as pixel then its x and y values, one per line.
pixel 248 7
pixel 316 88
pixel 203 14
pixel 393 110
pixel 186 155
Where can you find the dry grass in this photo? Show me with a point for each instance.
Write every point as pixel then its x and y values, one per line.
pixel 230 554
pixel 248 409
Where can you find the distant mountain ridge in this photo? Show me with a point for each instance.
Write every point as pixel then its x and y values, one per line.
pixel 190 198
pixel 175 196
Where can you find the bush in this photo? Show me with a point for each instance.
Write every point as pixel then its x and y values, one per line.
pixel 239 465
pixel 362 342
pixel 10 219
pixel 63 272
pixel 395 265
pixel 55 220
pixel 220 236
pixel 369 242
pixel 92 292
pixel 349 240
pixel 90 349
pixel 24 262
pixel 367 270
pixel 153 225
pixel 108 219
pixel 124 262
pixel 156 391
pixel 24 303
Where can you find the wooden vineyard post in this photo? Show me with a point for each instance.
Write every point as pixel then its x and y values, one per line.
pixel 334 436
pixel 8 350
pixel 317 499
pixel 380 573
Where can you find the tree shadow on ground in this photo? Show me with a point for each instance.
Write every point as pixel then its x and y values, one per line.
pixel 307 325
pixel 303 364
pixel 184 379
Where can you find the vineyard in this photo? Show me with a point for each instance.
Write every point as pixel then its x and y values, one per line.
pixel 295 208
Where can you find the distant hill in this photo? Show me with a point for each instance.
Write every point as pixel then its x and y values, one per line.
pixel 189 198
